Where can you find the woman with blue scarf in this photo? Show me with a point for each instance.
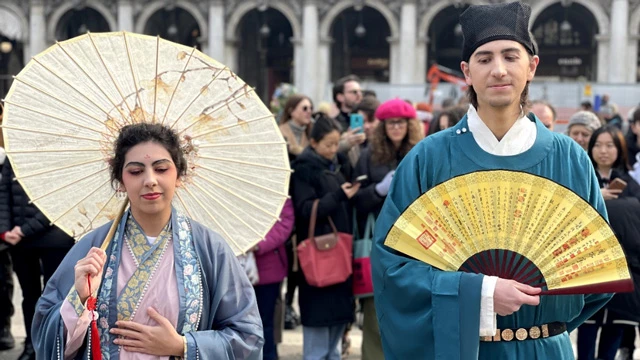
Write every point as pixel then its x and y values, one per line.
pixel 166 285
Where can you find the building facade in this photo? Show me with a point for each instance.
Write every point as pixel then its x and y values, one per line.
pixel 310 43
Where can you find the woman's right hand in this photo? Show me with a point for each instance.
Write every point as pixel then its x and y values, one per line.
pixel 350 190
pixel 92 264
pixel 610 194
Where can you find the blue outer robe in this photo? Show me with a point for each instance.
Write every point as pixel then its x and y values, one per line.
pixel 230 325
pixel 425 313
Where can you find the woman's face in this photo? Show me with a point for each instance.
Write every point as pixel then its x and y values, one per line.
pixel 581 134
pixel 150 178
pixel 301 114
pixel 328 146
pixel 396 129
pixel 604 151
pixel 444 122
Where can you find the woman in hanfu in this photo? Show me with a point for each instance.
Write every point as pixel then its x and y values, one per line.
pixel 166 285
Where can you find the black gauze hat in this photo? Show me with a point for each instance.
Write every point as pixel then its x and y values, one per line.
pixel 484 23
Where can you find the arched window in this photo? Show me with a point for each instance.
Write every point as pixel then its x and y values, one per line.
pixel 566 42
pixel 175 24
pixel 265 59
pixel 78 21
pixel 360 45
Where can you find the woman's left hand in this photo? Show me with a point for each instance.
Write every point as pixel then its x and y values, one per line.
pixel 161 340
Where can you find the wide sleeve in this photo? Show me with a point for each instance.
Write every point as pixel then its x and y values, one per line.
pixel 48 329
pixel 593 302
pixel 424 313
pixel 233 329
pixel 280 231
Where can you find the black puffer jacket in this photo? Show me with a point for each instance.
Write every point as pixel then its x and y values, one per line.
pixel 632 189
pixel 624 216
pixel 367 200
pixel 15 210
pixel 317 178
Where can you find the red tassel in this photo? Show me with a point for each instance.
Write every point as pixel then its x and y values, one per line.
pixel 96 353
pixel 92 305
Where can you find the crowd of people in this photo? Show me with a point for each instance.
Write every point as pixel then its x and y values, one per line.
pixel 347 162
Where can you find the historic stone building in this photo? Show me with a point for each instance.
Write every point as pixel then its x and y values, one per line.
pixel 312 42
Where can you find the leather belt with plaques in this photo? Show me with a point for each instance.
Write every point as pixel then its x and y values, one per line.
pixel 532 333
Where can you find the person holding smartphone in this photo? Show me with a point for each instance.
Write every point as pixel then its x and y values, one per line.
pixel 396 134
pixel 608 152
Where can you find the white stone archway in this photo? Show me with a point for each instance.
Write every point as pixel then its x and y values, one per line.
pixel 237 15
pixel 151 8
pixel 14 24
pixel 332 14
pixel 594 7
pixel 604 26
pixel 64 7
pixel 326 40
pixel 231 32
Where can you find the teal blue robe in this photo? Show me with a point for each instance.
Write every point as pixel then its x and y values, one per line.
pixel 425 313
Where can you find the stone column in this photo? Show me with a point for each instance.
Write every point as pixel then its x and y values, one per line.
pixel 309 81
pixel 421 59
pixel 395 67
pixel 408 39
pixel 603 58
pixel 125 16
pixel 619 40
pixel 37 29
pixel 631 72
pixel 299 80
pixel 323 73
pixel 231 44
pixel 216 30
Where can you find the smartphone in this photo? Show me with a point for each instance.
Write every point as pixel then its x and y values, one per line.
pixel 361 178
pixel 356 121
pixel 617 184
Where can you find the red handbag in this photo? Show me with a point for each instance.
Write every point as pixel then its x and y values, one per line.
pixel 326 259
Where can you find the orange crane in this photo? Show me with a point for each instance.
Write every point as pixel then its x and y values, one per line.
pixel 439 73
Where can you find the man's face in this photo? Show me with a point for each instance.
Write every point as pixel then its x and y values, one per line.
pixel 543 113
pixel 370 124
pixel 351 96
pixel 498 72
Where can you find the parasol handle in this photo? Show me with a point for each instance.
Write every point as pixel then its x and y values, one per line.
pixel 114 225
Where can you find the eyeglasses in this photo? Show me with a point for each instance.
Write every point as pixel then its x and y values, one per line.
pixel 307 108
pixel 396 123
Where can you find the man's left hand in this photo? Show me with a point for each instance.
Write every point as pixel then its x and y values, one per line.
pixel 160 340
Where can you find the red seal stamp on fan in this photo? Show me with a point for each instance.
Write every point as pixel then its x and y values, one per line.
pixel 426 239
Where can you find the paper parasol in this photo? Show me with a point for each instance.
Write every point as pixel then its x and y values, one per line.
pixel 65 109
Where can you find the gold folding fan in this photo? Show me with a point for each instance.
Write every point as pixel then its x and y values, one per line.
pixel 516 226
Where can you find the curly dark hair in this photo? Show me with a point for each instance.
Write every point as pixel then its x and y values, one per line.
pixel 382 150
pixel 132 135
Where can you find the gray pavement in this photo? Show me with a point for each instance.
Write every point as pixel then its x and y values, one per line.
pixel 290 349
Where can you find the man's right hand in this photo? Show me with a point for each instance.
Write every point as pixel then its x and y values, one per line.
pixel 510 295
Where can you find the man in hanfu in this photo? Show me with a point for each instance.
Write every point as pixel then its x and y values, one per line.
pixel 425 313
